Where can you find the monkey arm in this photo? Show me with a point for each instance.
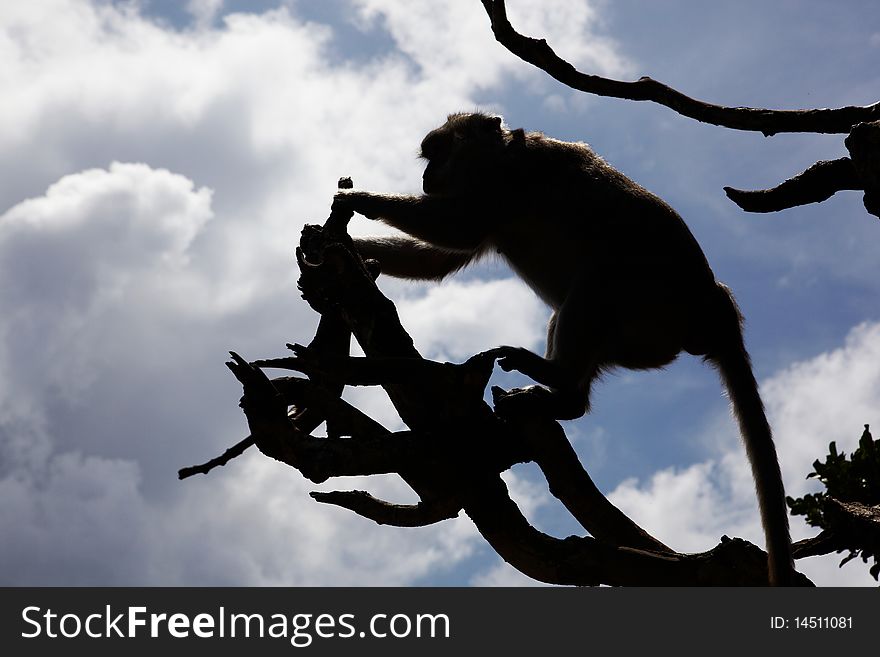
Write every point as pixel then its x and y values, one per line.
pixel 445 221
pixel 404 257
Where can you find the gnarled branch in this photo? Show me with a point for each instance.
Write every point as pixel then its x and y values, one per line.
pixel 455 447
pixel 769 122
pixel 818 183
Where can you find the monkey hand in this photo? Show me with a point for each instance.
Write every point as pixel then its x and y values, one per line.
pixel 350 201
pixel 343 201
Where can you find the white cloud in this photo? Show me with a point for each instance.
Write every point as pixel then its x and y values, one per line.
pixel 155 183
pixel 122 285
pixel 82 520
pixel 531 497
pixel 661 501
pixel 127 213
pixel 90 268
pixel 73 259
pixel 455 320
pixel 204 11
pixel 825 398
pixel 447 39
pixel 811 403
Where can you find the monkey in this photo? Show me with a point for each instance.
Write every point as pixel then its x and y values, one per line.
pixel 627 282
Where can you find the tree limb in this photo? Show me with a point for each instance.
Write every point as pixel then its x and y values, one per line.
pixel 386 513
pixel 571 484
pixel 332 338
pixel 456 446
pixel 589 562
pixel 204 468
pixel 818 183
pixel 769 122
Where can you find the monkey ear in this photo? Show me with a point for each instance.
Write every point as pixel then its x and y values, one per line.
pixel 517 139
pixel 492 124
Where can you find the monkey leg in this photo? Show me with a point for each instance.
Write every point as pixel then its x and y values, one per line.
pixel 567 397
pixel 531 400
pixel 575 339
pixel 405 257
pixel 559 404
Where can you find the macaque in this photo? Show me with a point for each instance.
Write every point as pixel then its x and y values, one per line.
pixel 628 284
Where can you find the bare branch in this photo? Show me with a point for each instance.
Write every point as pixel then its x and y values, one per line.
pixel 348 420
pixel 318 459
pixel 769 122
pixel 204 468
pixel 373 371
pixel 386 513
pixel 456 448
pixel 571 484
pixel 825 543
pixel 818 183
pixel 589 562
pixel 332 338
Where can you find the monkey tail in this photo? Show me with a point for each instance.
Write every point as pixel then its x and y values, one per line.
pixel 734 365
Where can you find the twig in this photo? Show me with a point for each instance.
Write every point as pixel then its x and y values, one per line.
pixel 204 468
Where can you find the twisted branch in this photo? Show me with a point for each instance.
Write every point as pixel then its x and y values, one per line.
pixel 455 447
pixel 769 122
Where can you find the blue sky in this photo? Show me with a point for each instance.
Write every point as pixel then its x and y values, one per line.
pixel 160 158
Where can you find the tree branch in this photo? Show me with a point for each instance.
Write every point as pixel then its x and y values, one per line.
pixel 332 338
pixel 589 562
pixel 386 513
pixel 571 484
pixel 456 446
pixel 818 183
pixel 204 468
pixel 769 122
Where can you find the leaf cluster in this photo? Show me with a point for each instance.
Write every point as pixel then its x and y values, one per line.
pixel 850 483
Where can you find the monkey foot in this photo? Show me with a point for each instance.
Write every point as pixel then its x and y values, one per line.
pixel 514 358
pixel 536 401
pixel 532 400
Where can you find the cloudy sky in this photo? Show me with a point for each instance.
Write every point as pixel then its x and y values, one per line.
pixel 159 159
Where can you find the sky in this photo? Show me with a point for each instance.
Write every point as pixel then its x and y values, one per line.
pixel 159 160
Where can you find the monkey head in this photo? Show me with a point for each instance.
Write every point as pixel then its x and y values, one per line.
pixel 463 152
